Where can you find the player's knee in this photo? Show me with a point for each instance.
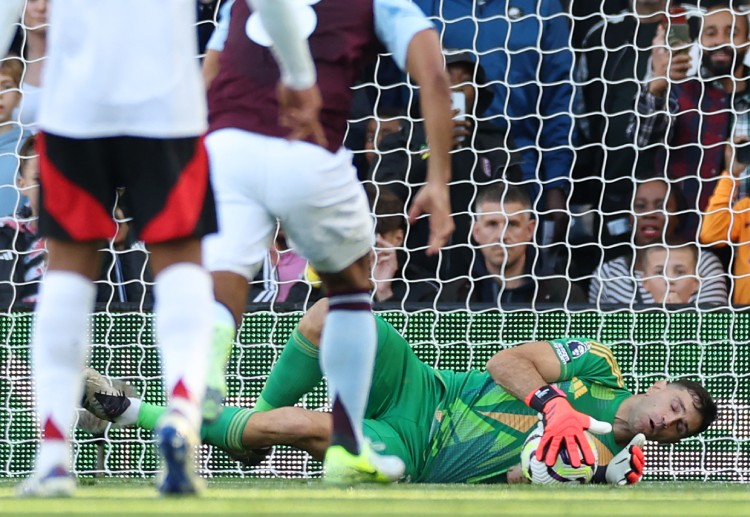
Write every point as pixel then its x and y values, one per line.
pixel 355 277
pixel 311 325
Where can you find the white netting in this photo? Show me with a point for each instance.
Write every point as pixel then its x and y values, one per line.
pixel 566 83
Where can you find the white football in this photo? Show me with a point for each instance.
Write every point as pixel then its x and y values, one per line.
pixel 561 472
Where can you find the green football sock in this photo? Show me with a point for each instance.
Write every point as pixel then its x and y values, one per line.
pixel 148 415
pixel 295 373
pixel 226 431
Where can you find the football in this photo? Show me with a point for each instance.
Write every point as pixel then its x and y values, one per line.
pixel 561 472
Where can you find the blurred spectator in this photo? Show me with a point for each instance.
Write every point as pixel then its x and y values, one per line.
pixel 282 269
pixel 693 115
pixel 125 275
pixel 656 220
pixel 612 63
pixel 480 156
pixel 586 14
pixel 32 47
pixel 22 252
pixel 670 274
pixel 524 48
pixel 385 122
pixel 504 267
pixel 12 135
pixel 727 222
pixel 387 258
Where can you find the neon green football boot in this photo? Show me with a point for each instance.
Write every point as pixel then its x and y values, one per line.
pixel 216 378
pixel 344 468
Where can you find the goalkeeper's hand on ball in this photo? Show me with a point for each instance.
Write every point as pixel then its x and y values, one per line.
pixel 563 427
pixel 626 468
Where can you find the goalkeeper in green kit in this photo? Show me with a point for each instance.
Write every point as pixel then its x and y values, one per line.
pixel 456 427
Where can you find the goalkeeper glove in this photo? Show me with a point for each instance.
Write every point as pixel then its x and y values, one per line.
pixel 626 468
pixel 563 426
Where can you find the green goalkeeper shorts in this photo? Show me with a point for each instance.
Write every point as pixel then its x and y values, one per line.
pixel 404 396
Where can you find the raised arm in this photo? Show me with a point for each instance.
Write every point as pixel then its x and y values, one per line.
pixel 10 13
pixel 425 64
pixel 289 42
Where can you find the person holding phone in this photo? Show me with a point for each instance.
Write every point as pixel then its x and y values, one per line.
pixel 482 153
pixel 692 114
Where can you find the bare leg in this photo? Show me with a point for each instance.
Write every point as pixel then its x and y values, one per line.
pixel 307 430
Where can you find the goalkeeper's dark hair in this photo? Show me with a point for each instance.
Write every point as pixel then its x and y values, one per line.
pixel 702 401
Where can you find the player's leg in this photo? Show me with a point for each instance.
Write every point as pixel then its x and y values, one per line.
pixel 168 192
pixel 297 371
pixel 75 221
pixel 325 213
pixel 233 431
pixel 235 253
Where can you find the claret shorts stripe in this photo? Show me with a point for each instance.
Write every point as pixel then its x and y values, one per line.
pixel 166 187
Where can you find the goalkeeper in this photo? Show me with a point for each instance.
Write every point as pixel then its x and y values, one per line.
pixel 447 426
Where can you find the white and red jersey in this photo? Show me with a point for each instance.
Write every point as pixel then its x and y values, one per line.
pixel 122 68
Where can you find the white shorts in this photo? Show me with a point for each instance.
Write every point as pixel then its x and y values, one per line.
pixel 315 195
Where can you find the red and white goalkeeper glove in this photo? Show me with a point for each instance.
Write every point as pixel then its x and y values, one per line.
pixel 563 427
pixel 626 468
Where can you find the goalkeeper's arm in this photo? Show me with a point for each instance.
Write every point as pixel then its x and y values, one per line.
pixel 525 372
pixel 10 13
pixel 290 47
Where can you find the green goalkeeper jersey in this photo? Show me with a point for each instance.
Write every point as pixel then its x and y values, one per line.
pixel 479 429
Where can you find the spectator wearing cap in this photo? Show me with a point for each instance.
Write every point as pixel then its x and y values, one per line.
pixel 481 156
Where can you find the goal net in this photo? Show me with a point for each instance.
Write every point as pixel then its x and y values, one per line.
pixel 520 54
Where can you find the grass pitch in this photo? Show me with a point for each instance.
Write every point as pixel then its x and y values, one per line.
pixel 280 498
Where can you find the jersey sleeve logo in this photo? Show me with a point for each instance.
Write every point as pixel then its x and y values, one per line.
pixel 257 32
pixel 577 348
pixel 561 352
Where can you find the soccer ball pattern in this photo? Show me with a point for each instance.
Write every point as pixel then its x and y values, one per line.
pixel 561 472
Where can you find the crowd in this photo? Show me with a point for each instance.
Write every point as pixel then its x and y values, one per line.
pixel 592 153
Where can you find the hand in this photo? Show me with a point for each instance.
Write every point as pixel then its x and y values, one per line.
pixel 666 64
pixel 299 110
pixel 461 130
pixel 564 426
pixel 386 265
pixel 434 199
pixel 735 167
pixel 626 468
pixel 657 287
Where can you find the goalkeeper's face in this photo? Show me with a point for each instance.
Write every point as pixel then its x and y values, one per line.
pixel 666 413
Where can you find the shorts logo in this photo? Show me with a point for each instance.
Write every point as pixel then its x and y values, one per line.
pixel 306 17
pixel 577 349
pixel 561 352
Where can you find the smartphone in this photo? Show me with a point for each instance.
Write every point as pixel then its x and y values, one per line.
pixel 458 102
pixel 678 35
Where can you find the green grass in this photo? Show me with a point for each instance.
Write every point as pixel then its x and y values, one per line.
pixel 115 497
